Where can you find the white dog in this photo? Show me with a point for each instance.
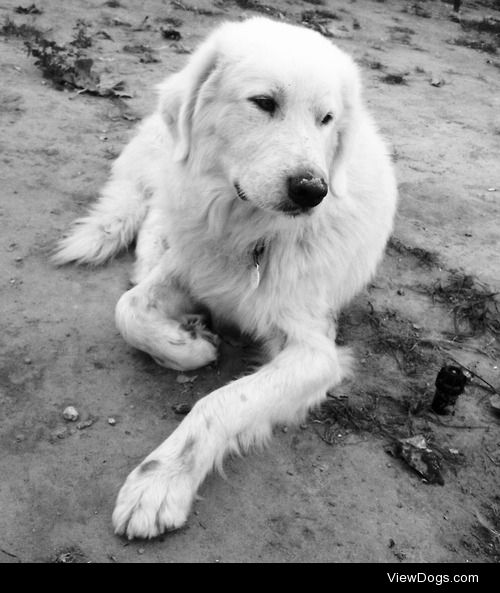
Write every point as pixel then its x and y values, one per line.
pixel 261 191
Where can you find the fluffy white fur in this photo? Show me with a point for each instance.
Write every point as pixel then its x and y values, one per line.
pixel 173 188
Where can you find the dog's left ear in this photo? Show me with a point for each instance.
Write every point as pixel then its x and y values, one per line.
pixel 347 127
pixel 179 95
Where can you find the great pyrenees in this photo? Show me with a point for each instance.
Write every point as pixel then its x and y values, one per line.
pixel 259 191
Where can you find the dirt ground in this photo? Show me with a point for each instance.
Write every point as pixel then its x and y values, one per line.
pixel 331 490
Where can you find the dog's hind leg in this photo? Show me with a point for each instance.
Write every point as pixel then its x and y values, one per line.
pixel 113 222
pixel 159 317
pixel 152 242
pixel 110 225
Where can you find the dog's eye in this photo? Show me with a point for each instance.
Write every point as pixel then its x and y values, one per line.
pixel 327 119
pixel 267 104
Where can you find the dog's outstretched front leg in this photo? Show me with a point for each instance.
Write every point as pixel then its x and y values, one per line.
pixel 158 316
pixel 158 494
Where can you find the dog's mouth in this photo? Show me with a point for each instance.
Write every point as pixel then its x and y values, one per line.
pixel 287 208
pixel 294 210
pixel 241 194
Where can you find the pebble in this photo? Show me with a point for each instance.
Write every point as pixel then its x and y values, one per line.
pixel 495 402
pixel 85 424
pixel 181 409
pixel 70 413
pixel 185 379
pixel 111 421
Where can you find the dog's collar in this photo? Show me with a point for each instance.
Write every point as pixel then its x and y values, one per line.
pixel 257 253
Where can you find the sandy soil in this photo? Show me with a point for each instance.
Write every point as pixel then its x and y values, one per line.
pixel 326 491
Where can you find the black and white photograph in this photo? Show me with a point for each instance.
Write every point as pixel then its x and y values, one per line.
pixel 250 288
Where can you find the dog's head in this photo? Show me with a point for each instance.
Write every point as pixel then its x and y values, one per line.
pixel 268 108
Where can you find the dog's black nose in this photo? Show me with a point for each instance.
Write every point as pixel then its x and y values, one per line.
pixel 307 189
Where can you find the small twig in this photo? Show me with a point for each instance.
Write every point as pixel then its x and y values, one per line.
pixel 322 437
pixel 493 390
pixel 469 426
pixel 478 538
pixel 9 553
pixel 442 345
pixel 490 457
pixel 393 352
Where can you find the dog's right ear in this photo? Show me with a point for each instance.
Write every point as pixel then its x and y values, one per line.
pixel 179 95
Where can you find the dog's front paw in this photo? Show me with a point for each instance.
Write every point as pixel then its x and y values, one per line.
pixel 153 499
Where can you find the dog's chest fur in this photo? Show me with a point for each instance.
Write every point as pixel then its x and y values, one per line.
pixel 260 275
